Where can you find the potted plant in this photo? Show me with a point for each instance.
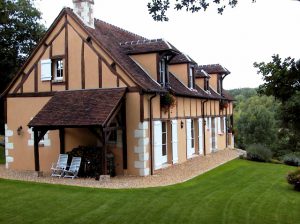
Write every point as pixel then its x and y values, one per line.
pixel 167 101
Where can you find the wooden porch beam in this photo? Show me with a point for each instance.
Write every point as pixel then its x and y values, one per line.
pixel 36 151
pixel 62 140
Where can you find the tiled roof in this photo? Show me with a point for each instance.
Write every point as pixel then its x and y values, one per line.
pixel 200 73
pixel 79 108
pixel 214 69
pixel 182 58
pixel 147 46
pixel 227 95
pixel 178 88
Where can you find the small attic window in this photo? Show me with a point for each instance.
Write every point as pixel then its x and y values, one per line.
pixel 58 69
pixel 162 72
pixel 191 81
pixel 206 84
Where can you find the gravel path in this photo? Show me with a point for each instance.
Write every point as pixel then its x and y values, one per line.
pixel 168 176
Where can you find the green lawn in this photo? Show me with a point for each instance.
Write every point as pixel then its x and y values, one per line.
pixel 2 155
pixel 237 192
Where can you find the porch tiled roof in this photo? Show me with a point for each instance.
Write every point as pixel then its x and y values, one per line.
pixel 182 58
pixel 79 108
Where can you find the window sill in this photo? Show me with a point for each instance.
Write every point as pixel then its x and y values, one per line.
pixel 58 82
pixel 221 133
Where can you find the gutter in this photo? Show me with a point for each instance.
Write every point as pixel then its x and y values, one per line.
pixel 203 128
pixel 151 134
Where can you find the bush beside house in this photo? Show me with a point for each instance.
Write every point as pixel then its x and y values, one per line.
pixel 293 178
pixel 258 152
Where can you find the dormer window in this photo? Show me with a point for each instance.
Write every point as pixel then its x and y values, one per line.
pixel 58 69
pixel 163 72
pixel 206 84
pixel 191 81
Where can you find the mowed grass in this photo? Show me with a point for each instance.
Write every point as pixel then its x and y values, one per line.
pixel 237 192
pixel 2 155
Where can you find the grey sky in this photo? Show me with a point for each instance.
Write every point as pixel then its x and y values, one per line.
pixel 248 33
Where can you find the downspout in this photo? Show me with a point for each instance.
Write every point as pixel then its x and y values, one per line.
pixel 151 133
pixel 203 128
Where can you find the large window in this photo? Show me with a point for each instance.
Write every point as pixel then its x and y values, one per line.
pixel 192 134
pixel 191 78
pixel 58 70
pixel 164 138
pixel 163 76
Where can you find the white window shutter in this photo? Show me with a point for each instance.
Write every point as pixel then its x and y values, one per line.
pixel 188 138
pixel 225 128
pixel 174 141
pixel 46 70
pixel 157 129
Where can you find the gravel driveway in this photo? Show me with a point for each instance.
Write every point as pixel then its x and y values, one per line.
pixel 168 176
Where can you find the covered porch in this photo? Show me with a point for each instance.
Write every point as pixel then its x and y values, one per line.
pixel 100 111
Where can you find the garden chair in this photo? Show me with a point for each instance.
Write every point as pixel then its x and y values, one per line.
pixel 58 168
pixel 73 170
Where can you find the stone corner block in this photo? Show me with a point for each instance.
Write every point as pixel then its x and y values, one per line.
pixel 9 145
pixel 140 133
pixel 140 164
pixel 144 172
pixel 143 125
pixel 144 156
pixel 143 141
pixel 140 149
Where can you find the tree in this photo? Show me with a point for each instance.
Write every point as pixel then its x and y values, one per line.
pixel 282 80
pixel 255 119
pixel 158 8
pixel 20 30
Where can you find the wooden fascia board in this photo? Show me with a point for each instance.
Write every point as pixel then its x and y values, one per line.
pixel 34 51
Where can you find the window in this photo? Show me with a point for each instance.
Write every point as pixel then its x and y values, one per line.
pixel 222 125
pixel 163 72
pixel 191 78
pixel 58 70
pixel 192 134
pixel 164 138
pixel 113 135
pixel 206 84
pixel 219 90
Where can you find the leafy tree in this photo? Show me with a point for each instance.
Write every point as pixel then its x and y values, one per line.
pixel 20 30
pixel 282 80
pixel 158 8
pixel 255 120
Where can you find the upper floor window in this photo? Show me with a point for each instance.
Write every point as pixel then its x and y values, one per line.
pixel 219 85
pixel 52 69
pixel 163 73
pixel 206 84
pixel 191 81
pixel 58 70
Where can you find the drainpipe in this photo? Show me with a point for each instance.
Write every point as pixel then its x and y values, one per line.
pixel 151 134
pixel 204 141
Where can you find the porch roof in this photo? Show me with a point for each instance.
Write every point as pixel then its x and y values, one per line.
pixel 79 108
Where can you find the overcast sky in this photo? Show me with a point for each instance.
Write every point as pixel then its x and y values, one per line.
pixel 248 33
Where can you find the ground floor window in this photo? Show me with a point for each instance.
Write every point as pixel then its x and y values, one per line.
pixel 192 134
pixel 164 138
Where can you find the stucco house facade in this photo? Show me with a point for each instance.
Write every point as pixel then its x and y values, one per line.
pixel 91 83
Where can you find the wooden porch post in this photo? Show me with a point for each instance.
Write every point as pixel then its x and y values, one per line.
pixel 62 140
pixel 36 150
pixel 104 153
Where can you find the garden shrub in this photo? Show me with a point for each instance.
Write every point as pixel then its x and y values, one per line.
pixel 293 178
pixel 258 152
pixel 292 159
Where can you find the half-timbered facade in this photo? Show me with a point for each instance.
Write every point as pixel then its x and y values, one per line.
pixel 91 83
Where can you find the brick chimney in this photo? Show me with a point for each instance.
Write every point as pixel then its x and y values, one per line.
pixel 84 9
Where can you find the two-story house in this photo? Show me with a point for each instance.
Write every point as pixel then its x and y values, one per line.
pixel 91 83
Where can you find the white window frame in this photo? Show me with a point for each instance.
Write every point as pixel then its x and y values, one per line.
pixel 162 71
pixel 60 69
pixel 192 133
pixel 164 124
pixel 191 78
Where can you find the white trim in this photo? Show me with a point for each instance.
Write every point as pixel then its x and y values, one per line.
pixel 174 128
